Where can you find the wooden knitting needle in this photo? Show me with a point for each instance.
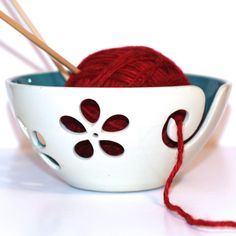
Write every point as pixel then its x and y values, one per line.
pixel 38 42
pixel 33 29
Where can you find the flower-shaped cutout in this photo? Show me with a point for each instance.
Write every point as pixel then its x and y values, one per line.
pixel 91 111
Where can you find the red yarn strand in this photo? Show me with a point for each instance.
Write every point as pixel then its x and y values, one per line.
pixel 189 218
pixel 134 66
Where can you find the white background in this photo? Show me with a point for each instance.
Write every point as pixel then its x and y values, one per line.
pixel 199 36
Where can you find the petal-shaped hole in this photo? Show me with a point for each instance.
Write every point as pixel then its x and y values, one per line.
pixel 50 161
pixel 84 149
pixel 38 139
pixel 115 123
pixel 72 124
pixel 90 109
pixel 180 114
pixel 111 148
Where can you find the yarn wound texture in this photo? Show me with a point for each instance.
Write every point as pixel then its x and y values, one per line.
pixel 133 66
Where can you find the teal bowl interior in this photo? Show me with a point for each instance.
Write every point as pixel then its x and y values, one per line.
pixel 209 85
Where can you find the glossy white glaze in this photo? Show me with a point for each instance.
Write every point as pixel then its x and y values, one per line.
pixel 146 161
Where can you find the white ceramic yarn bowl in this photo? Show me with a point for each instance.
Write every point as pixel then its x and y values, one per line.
pixel 40 100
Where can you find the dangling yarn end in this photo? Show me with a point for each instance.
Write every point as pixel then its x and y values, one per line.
pixel 189 218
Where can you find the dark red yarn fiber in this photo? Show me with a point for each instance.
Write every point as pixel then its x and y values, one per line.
pixel 134 66
pixel 138 66
pixel 189 218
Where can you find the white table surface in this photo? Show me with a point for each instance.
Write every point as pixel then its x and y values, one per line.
pixel 33 201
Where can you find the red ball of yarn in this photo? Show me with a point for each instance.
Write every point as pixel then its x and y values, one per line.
pixel 133 66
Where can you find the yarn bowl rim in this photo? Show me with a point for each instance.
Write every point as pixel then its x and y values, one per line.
pixel 19 92
pixel 208 84
pixel 56 80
